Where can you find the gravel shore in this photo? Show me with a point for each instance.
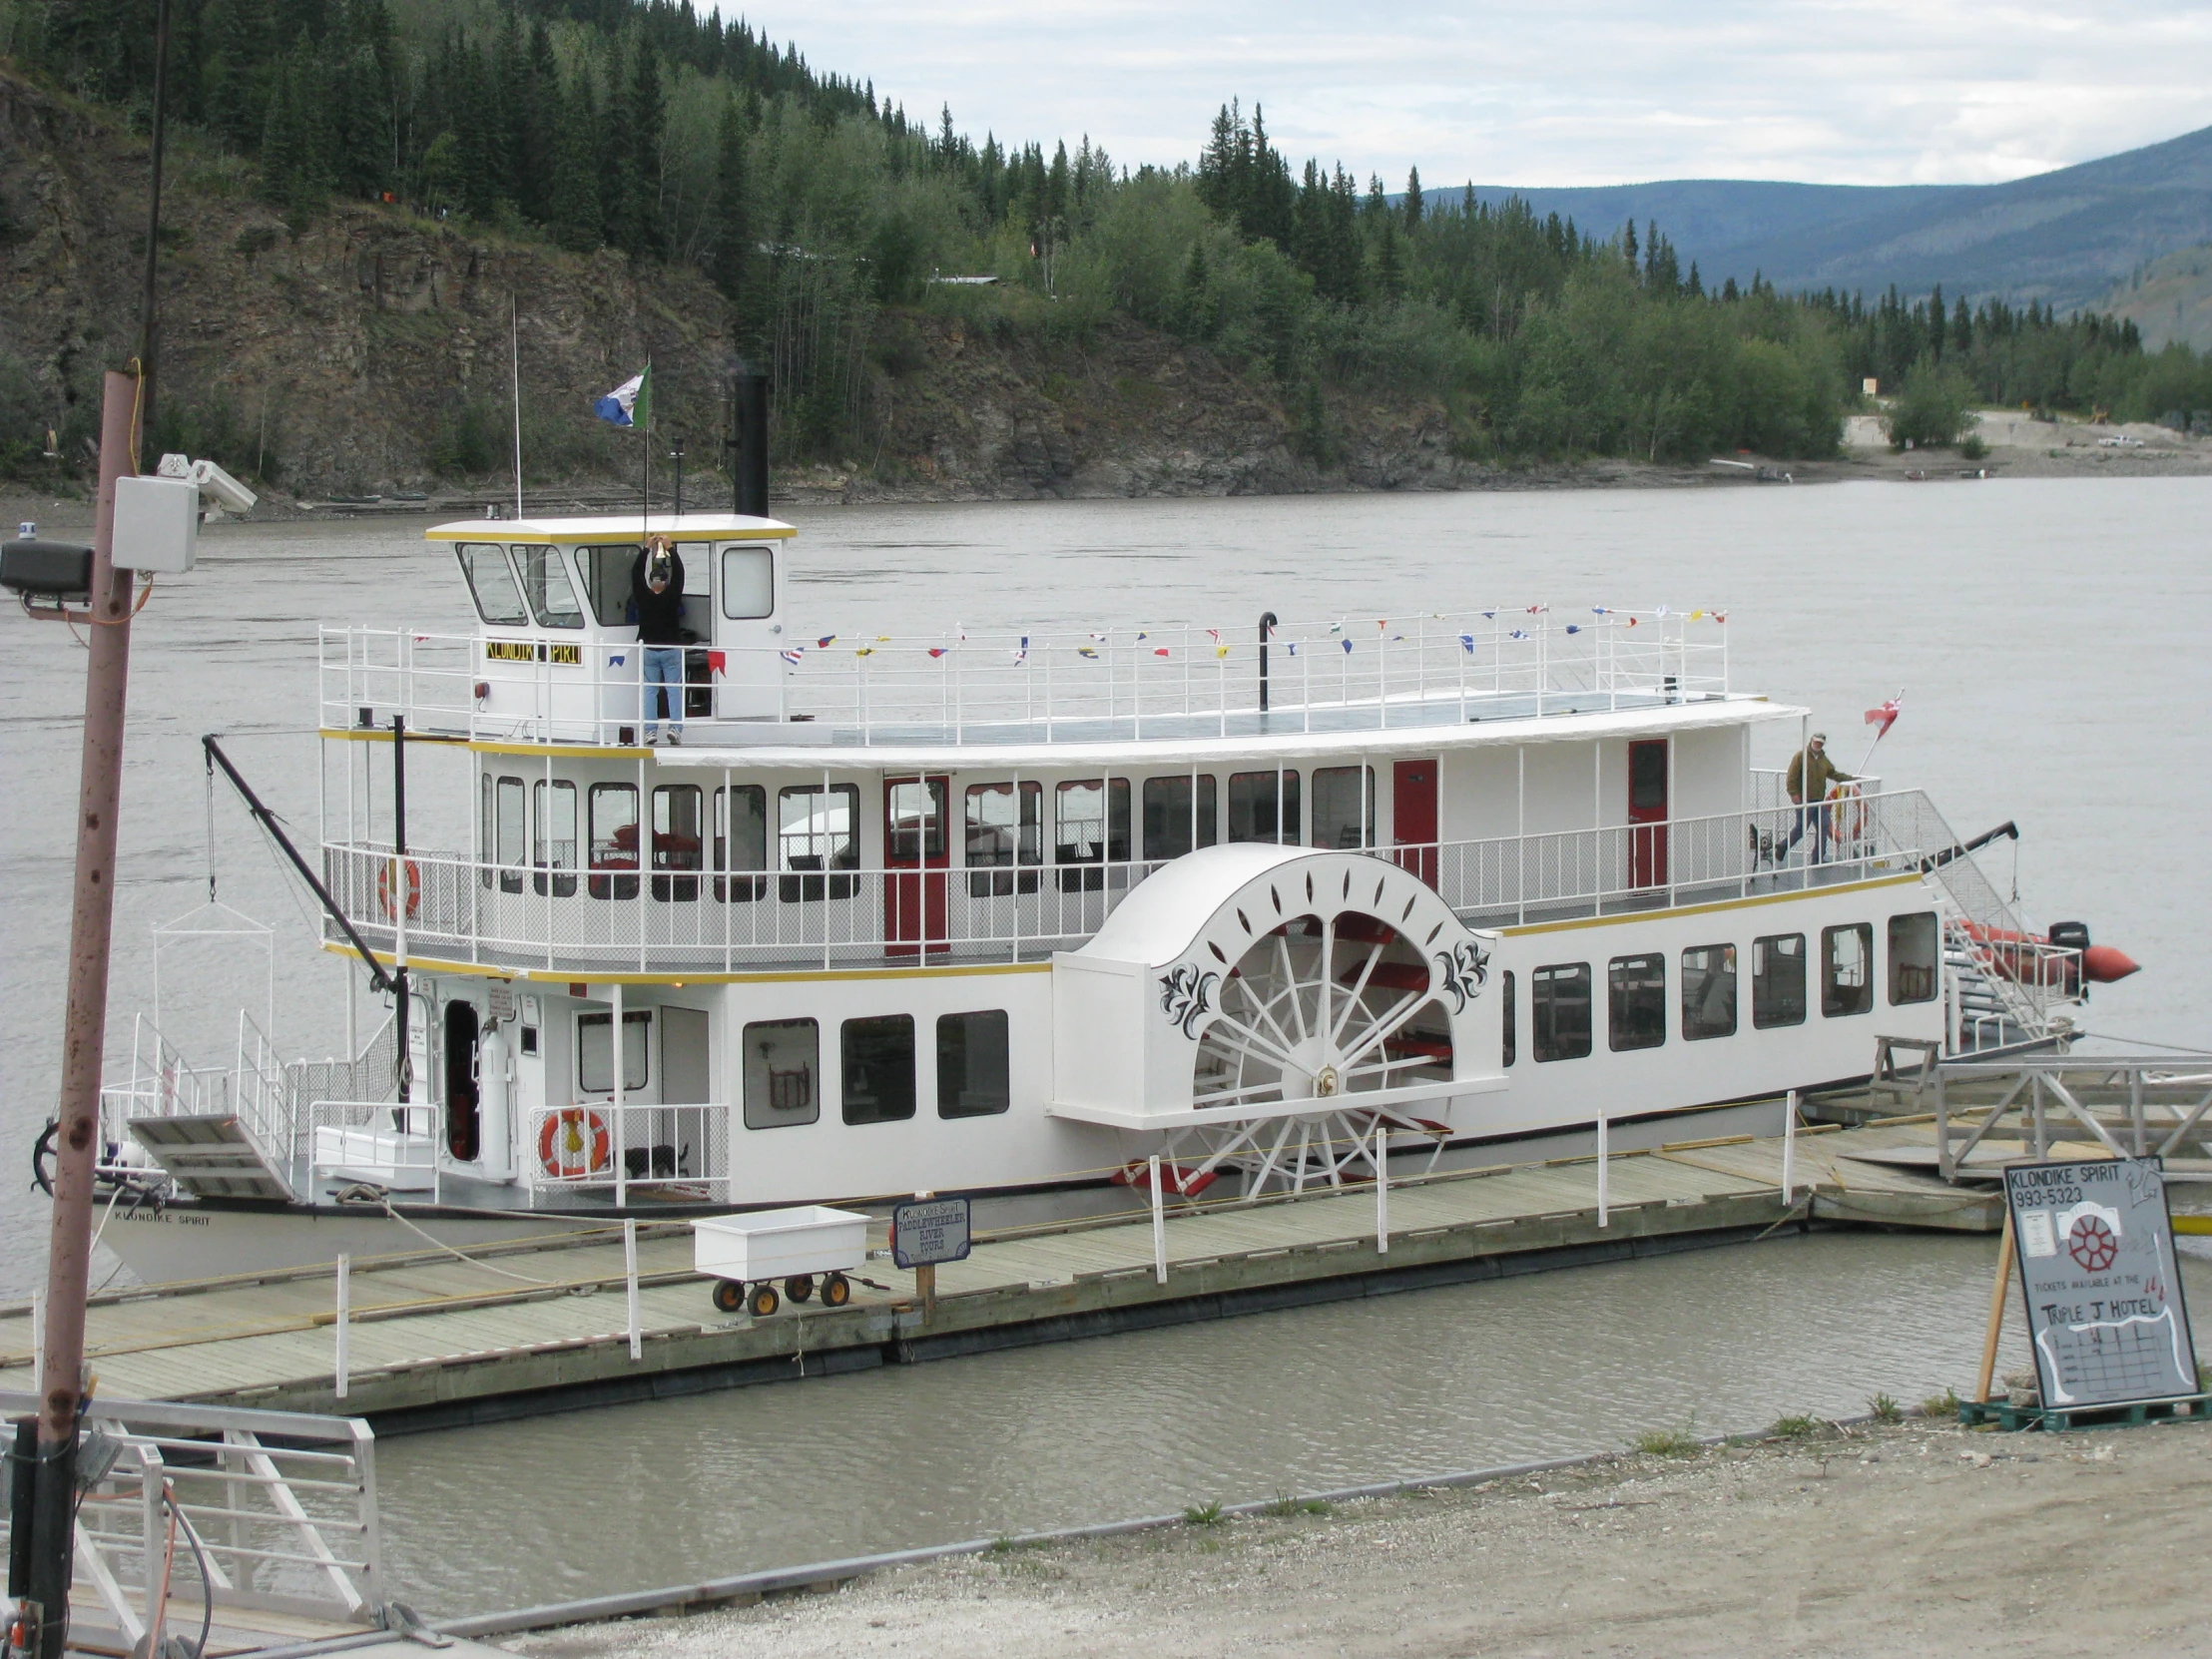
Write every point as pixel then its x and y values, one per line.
pixel 1911 1538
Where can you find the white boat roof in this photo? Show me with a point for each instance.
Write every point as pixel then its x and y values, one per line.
pixel 1062 753
pixel 601 527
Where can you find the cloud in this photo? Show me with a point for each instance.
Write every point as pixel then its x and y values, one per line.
pixel 1584 92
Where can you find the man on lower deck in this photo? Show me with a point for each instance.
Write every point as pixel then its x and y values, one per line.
pixel 657 597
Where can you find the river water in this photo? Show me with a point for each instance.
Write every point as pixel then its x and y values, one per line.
pixel 2048 640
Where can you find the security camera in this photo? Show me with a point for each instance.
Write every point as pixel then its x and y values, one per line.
pixel 217 487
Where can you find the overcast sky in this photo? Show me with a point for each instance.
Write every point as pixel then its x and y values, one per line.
pixel 1557 92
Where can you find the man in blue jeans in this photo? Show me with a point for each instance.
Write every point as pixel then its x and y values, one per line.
pixel 657 599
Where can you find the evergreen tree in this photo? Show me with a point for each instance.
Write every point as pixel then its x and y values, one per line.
pixel 574 210
pixel 1414 205
pixel 732 254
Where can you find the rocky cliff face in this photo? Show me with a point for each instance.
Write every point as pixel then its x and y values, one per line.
pixel 366 349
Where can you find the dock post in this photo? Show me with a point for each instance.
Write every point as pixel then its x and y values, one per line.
pixel 1159 1225
pixel 1381 1190
pixel 630 1283
pixel 346 1290
pixel 38 1344
pixel 1604 1194
pixel 1789 1148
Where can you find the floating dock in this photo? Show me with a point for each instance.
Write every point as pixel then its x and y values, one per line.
pixel 437 1339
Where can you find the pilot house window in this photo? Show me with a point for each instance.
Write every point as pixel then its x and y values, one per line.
pixel 492 584
pixel 748 583
pixel 545 580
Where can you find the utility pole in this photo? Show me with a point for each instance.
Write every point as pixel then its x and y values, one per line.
pixel 84 1035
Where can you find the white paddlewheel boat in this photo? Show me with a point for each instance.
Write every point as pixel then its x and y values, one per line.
pixel 1010 912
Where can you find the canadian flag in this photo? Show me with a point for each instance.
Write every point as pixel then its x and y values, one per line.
pixel 1882 719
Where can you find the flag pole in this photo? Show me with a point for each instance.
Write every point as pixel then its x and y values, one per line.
pixel 644 391
pixel 515 361
pixel 1881 732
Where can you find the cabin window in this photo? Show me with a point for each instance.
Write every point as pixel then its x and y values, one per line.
pixel 782 1058
pixel 613 839
pixel 740 841
pixel 1559 1012
pixel 1092 815
pixel 878 1068
pixel 605 569
pixel 975 1078
pixel 595 1053
pixel 1510 1047
pixel 553 829
pixel 1709 991
pixel 491 583
pixel 1636 1002
pixel 679 842
pixel 914 821
pixel 1005 827
pixel 818 831
pixel 1173 824
pixel 1777 981
pixel 1846 970
pixel 1263 806
pixel 1344 807
pixel 509 831
pixel 748 583
pixel 1913 959
pixel 545 581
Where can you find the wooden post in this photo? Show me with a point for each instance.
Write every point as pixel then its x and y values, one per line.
pixel 629 1284
pixel 1381 1190
pixel 1604 1192
pixel 345 1302
pixel 1997 1313
pixel 1159 1222
pixel 1789 1148
pixel 926 1286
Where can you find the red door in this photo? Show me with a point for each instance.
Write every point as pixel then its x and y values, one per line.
pixel 1414 816
pixel 1647 806
pixel 914 841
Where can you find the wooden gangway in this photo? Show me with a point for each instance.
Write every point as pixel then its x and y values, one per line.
pixel 435 1338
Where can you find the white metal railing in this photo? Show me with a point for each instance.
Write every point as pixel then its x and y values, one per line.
pixel 161 1083
pixel 1055 681
pixel 280 1504
pixel 677 1152
pixel 529 916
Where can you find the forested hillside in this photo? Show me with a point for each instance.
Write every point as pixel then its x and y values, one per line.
pixel 821 214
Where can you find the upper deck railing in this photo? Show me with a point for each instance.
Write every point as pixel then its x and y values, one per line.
pixel 1052 683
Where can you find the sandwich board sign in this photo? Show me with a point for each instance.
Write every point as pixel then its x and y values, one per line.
pixel 926 1231
pixel 2104 1309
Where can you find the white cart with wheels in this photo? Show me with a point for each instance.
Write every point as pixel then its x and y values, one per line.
pixel 746 1255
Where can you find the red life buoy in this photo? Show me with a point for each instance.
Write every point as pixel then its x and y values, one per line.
pixel 413 878
pixel 574 1142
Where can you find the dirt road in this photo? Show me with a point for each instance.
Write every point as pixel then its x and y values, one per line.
pixel 1909 1539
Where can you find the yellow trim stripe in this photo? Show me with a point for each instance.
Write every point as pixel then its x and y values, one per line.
pixel 612 535
pixel 484 745
pixel 1709 910
pixel 564 976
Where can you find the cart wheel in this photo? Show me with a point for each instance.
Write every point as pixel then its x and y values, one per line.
pixel 762 1302
pixel 728 1295
pixel 837 1290
pixel 799 1286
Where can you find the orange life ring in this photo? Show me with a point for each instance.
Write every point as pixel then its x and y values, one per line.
pixel 384 886
pixel 573 1142
pixel 1849 809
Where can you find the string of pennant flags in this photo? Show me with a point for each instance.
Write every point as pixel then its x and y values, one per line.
pixel 1099 643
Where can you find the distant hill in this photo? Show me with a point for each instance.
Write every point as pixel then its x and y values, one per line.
pixel 2169 299
pixel 2064 238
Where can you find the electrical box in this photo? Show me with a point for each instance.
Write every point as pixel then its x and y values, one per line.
pixel 157 525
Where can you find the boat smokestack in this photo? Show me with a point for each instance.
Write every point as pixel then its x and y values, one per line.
pixel 749 488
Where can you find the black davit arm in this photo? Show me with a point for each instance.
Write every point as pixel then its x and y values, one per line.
pixel 268 821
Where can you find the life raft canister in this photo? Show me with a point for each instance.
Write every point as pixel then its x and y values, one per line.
pixel 574 1141
pixel 387 877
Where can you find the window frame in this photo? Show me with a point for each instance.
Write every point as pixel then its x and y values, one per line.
pixel 1695 1028
pixel 673 879
pixel 521 617
pixel 612 876
pixel 946 1059
pixel 735 882
pixel 1902 951
pixel 759 1108
pixel 639 1019
pixel 1330 777
pixel 1833 1005
pixel 1627 999
pixel 612 608
pixel 1206 814
pixel 726 587
pixel 1545 1000
pixel 1274 795
pixel 1764 948
pixel 849 1065
pixel 996 871
pixel 811 882
pixel 529 558
pixel 545 852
